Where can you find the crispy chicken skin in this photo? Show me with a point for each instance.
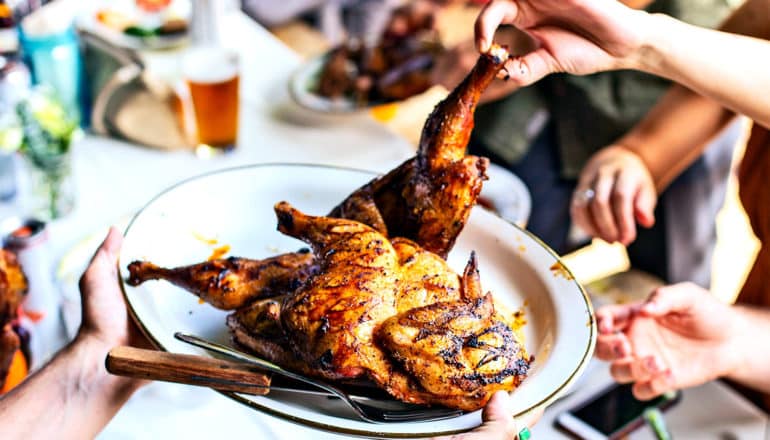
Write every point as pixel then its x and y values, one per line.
pixel 331 319
pixel 257 328
pixel 230 283
pixel 459 351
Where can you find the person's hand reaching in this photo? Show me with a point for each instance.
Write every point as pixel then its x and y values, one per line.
pixel 614 192
pixel 574 36
pixel 680 337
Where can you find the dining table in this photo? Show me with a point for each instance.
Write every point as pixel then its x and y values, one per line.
pixel 114 179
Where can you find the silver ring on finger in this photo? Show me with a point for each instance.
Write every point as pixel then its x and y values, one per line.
pixel 583 197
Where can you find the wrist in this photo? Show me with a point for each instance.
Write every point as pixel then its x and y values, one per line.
pixel 736 349
pixel 93 377
pixel 648 55
pixel 642 150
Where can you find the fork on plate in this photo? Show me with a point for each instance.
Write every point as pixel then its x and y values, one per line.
pixel 365 408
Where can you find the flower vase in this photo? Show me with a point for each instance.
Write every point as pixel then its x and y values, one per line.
pixel 51 187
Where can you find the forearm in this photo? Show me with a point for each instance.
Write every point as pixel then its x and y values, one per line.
pixel 752 365
pixel 675 132
pixel 71 397
pixel 730 69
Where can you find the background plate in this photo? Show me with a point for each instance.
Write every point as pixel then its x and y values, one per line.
pixel 304 82
pixel 234 207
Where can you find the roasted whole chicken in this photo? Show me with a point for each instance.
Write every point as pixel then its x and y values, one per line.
pixel 357 317
pixel 374 299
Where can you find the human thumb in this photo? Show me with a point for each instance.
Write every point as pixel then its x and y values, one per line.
pixel 498 409
pixel 528 69
pixel 644 206
pixel 676 298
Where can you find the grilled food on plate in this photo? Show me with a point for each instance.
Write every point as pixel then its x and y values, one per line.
pixel 374 298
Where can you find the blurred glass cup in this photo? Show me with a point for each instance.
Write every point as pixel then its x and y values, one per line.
pixel 212 78
pixel 48 131
pixel 54 56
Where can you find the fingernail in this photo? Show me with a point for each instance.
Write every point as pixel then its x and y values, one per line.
pixel 652 364
pixel 669 375
pixel 522 69
pixel 483 45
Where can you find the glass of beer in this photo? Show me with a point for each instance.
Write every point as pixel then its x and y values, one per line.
pixel 211 74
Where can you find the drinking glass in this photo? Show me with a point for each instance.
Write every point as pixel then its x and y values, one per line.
pixel 212 78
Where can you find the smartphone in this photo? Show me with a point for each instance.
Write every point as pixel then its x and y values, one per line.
pixel 611 414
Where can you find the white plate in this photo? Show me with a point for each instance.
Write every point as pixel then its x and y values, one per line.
pixel 304 82
pixel 508 195
pixel 87 21
pixel 234 207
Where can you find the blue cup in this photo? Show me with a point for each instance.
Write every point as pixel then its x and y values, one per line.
pixel 55 60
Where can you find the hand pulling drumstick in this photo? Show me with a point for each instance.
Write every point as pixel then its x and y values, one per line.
pixel 187 369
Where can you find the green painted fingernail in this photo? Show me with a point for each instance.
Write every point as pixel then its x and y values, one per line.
pixel 525 434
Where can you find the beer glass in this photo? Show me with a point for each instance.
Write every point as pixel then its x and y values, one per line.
pixel 212 77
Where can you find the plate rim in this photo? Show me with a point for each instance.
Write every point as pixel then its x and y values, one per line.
pixel 557 393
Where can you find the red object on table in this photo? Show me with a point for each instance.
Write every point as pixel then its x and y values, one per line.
pixel 153 5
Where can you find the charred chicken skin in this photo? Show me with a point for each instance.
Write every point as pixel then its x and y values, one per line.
pixel 375 299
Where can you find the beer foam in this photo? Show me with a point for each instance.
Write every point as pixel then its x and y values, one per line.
pixel 209 65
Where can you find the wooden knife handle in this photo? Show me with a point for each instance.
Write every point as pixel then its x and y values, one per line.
pixel 187 369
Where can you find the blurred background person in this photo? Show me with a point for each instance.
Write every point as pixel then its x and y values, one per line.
pixel 546 132
pixel 337 19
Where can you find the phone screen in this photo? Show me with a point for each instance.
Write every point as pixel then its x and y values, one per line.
pixel 614 409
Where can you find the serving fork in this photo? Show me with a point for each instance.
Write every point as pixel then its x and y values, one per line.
pixel 363 407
